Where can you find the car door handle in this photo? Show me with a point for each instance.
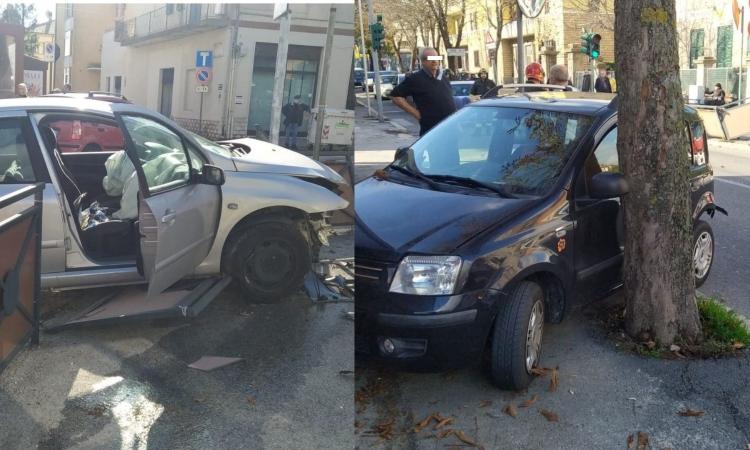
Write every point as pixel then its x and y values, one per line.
pixel 169 216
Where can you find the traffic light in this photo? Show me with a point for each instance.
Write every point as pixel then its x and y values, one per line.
pixel 595 40
pixel 586 43
pixel 378 32
pixel 590 44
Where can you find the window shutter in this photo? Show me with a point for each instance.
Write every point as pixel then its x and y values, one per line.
pixel 724 46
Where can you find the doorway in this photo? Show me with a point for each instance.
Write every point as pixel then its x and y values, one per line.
pixel 301 79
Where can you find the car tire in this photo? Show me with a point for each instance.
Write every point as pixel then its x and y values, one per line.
pixel 509 368
pixel 703 251
pixel 270 260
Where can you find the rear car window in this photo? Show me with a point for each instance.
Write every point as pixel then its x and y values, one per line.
pixel 697 151
pixel 519 150
pixel 15 161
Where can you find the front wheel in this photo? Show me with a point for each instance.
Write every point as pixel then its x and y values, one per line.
pixel 517 337
pixel 270 260
pixel 703 251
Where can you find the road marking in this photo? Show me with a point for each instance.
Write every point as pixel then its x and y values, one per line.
pixel 733 182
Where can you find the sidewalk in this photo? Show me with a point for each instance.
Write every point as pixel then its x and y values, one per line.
pixel 376 142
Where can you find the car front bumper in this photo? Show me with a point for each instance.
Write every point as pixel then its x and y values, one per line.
pixel 423 332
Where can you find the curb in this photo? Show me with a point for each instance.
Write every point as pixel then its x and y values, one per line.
pixel 394 125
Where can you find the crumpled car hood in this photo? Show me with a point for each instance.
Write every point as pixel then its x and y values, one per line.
pixel 265 157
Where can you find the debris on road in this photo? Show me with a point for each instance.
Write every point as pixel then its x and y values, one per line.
pixel 549 415
pixel 485 403
pixel 510 410
pixel 554 381
pixel 461 436
pixel 529 402
pixel 687 412
pixel 209 363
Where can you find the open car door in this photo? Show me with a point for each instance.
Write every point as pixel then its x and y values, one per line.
pixel 178 210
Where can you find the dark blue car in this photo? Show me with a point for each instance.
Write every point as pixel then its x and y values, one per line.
pixel 492 224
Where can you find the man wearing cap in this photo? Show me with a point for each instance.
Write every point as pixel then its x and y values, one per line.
pixel 293 115
pixel 430 90
pixel 482 84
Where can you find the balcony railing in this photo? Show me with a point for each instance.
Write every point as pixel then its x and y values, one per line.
pixel 169 19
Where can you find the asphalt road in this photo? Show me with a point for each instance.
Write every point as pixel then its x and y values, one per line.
pixel 393 112
pixel 128 385
pixel 730 274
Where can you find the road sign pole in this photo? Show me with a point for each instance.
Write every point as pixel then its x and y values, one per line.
pixel 375 66
pixel 364 56
pixel 278 84
pixel 200 116
pixel 519 44
pixel 323 100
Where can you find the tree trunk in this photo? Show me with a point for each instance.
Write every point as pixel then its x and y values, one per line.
pixel 653 146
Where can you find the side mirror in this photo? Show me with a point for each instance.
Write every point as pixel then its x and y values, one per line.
pixel 400 153
pixel 608 185
pixel 212 175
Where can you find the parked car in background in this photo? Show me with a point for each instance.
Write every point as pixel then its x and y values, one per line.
pixel 388 81
pixel 494 223
pixel 359 77
pixel 461 88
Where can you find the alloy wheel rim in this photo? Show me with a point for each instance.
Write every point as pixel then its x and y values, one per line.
pixel 702 254
pixel 534 335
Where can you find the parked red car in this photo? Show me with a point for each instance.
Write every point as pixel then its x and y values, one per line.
pixel 84 136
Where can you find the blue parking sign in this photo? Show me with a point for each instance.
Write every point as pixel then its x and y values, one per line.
pixel 204 58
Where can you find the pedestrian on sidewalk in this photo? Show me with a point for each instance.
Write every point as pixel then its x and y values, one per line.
pixel 558 74
pixel 602 82
pixel 293 113
pixel 482 84
pixel 717 97
pixel 22 90
pixel 430 90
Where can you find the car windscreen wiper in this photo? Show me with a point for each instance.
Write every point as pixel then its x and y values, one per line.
pixel 472 183
pixel 433 185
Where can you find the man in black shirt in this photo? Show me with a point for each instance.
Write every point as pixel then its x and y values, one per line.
pixel 293 115
pixel 430 90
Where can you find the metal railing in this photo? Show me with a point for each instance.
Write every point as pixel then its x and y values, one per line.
pixel 168 18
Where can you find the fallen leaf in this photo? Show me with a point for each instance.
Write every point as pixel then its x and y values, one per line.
pixel 424 423
pixel 650 345
pixel 549 415
pixel 465 439
pixel 385 429
pixel 690 413
pixel 443 423
pixel 485 403
pixel 738 345
pixel 631 441
pixel 540 371
pixel 510 410
pixel 445 433
pixel 251 399
pixel 642 441
pixel 529 402
pixel 553 380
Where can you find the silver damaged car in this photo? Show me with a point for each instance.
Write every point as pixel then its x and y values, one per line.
pixel 162 203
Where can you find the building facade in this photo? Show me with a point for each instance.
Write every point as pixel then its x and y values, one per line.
pixel 78 33
pixel 150 57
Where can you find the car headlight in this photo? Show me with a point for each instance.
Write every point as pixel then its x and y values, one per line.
pixel 427 275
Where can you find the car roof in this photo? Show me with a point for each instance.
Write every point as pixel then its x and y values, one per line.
pixel 71 104
pixel 462 82
pixel 588 103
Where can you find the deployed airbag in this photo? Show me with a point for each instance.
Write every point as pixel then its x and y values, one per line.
pixel 119 169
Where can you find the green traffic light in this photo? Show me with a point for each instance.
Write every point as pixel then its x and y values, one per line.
pixel 595 54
